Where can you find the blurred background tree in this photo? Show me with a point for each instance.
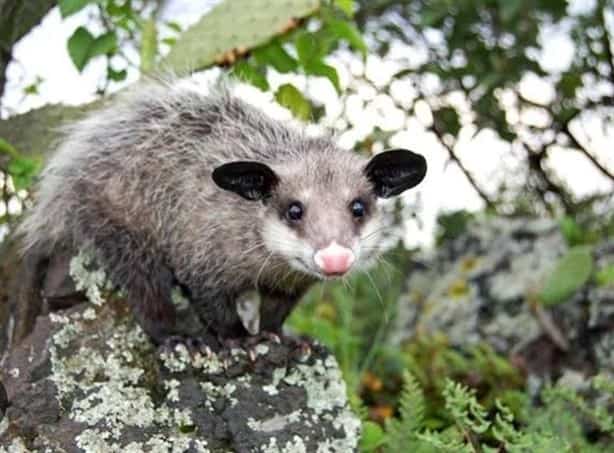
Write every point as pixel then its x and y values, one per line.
pixel 474 64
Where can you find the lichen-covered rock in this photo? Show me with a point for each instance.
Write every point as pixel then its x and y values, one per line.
pixel 88 379
pixel 483 288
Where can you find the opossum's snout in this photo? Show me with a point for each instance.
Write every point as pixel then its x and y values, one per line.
pixel 334 260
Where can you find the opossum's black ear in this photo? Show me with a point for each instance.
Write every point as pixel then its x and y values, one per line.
pixel 252 180
pixel 395 171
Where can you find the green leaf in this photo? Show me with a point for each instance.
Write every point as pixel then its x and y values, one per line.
pixel 104 44
pixel 291 98
pixel 569 83
pixel 572 232
pixel 431 17
pixel 307 47
pixel 7 148
pixel 571 273
pixel 372 436
pixel 347 31
pixel 83 46
pixel 347 6
pixel 116 76
pixel 448 120
pixel 250 74
pixel 79 45
pixel 320 68
pixel 69 7
pixel 23 170
pixel 275 55
pixel 509 9
pixel 173 26
pixel 605 276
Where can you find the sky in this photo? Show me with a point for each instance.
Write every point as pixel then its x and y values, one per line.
pixel 445 188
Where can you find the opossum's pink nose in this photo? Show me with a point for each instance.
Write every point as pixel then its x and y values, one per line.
pixel 334 259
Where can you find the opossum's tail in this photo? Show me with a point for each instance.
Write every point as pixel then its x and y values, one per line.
pixel 25 298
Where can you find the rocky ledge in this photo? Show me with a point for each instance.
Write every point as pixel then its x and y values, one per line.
pixel 88 379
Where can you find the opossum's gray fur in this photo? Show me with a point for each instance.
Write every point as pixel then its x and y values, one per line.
pixel 133 181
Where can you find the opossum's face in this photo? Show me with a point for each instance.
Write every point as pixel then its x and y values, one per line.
pixel 320 212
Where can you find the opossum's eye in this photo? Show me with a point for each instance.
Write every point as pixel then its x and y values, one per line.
pixel 393 172
pixel 358 208
pixel 295 210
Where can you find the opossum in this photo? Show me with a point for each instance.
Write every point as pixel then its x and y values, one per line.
pixel 243 212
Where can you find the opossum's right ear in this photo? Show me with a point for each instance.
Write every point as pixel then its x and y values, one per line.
pixel 252 180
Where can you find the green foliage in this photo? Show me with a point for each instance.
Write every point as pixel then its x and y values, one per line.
pixel 122 22
pixel 347 6
pixel 70 7
pixel 401 431
pixel 351 318
pixel 21 169
pixel 303 50
pixel 555 426
pixel 481 53
pixel 149 45
pixel 83 46
pixel 233 27
pixel 605 276
pixel 573 233
pixel 571 273
pixel 452 225
pixel 288 96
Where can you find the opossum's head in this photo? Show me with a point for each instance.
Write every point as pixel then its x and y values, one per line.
pixel 320 210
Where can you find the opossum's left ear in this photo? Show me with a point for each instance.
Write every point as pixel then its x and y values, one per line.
pixel 252 180
pixel 393 172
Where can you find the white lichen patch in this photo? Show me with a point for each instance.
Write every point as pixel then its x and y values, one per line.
pixel 177 360
pixel 208 364
pixel 296 445
pixel 172 388
pixel 326 399
pixel 87 277
pixel 89 314
pixel 183 417
pixel 278 375
pixel 17 446
pixel 179 300
pixel 261 349
pixel 4 424
pixel 105 386
pixel 277 422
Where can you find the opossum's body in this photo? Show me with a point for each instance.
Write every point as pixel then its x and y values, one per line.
pixel 134 182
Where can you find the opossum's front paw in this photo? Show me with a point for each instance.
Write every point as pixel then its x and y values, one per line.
pixel 300 346
pixel 193 345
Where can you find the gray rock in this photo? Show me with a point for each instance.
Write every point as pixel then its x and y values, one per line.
pixel 87 379
pixel 482 287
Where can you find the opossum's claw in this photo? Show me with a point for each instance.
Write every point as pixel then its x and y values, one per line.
pixel 193 345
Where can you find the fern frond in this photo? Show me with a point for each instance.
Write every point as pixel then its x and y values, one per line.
pixel 402 432
pixel 464 408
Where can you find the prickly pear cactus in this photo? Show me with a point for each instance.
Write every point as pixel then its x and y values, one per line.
pixel 231 29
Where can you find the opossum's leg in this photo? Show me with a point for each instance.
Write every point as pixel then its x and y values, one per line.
pixel 275 308
pixel 135 265
pixel 217 312
pixel 148 284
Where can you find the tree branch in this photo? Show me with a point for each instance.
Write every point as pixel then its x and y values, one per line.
pixel 453 157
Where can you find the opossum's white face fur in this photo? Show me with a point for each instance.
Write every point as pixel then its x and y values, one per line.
pixel 320 212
